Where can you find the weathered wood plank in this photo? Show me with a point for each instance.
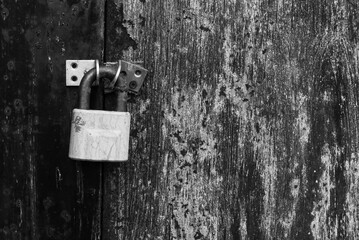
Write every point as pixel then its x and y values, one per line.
pixel 74 203
pixel 114 190
pixel 247 125
pixel 44 194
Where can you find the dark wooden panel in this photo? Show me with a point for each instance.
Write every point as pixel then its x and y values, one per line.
pixel 17 146
pixel 246 127
pixel 44 194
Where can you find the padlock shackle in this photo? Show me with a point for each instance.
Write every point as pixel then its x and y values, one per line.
pixel 87 81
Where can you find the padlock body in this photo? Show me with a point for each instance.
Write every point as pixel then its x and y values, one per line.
pixel 99 135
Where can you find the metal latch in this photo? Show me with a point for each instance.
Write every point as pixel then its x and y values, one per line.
pixel 76 69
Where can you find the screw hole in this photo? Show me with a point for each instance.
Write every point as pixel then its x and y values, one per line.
pixel 74 78
pixel 74 65
pixel 123 73
pixel 138 73
pixel 133 84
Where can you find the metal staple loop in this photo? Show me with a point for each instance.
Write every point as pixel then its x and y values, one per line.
pixel 117 74
pixel 97 71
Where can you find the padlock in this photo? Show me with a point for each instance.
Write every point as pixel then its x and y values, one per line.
pixel 100 135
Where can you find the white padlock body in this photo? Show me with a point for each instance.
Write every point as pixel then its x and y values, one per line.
pixel 99 135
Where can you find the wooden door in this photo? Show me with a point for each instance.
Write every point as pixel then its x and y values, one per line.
pixel 245 127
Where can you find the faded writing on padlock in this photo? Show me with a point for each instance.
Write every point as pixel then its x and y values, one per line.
pixel 99 135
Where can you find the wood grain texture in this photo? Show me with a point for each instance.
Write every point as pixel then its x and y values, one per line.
pixel 247 125
pixel 45 195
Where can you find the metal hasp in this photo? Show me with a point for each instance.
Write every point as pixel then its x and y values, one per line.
pixel 130 79
pixel 101 135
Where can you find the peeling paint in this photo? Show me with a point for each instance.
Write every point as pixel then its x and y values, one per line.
pixel 321 208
